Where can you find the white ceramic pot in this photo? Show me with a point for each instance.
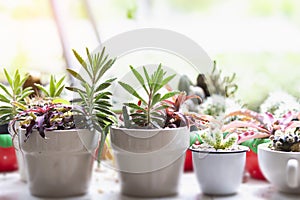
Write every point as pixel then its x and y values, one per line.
pixel 281 169
pixel 150 161
pixel 61 165
pixel 219 173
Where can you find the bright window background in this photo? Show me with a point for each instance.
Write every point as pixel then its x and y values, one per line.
pixel 258 40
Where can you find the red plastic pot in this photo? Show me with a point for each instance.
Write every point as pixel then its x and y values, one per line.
pixel 252 166
pixel 188 163
pixel 8 160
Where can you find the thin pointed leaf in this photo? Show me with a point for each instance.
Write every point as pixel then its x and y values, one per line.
pixel 134 106
pixel 8 78
pixel 169 95
pixel 139 78
pixel 132 91
pixel 147 76
pixel 3 87
pixel 16 83
pixel 23 80
pixel 52 86
pixel 58 84
pixel 4 99
pixel 42 88
pixel 155 99
pixel 59 91
pixel 74 89
pixel 75 75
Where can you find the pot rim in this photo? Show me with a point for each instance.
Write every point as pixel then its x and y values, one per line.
pixel 49 131
pixel 264 147
pixel 242 150
pixel 148 130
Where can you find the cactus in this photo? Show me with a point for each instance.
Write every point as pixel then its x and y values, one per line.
pixel 287 140
pixel 217 139
pixel 218 142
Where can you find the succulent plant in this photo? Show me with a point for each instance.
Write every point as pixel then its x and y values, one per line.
pixel 219 85
pixel 287 140
pixel 149 112
pixel 94 104
pixel 44 117
pixel 156 110
pixel 55 87
pixel 213 137
pixel 12 94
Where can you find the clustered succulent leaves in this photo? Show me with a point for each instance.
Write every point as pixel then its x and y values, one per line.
pixel 12 95
pixel 94 99
pixel 217 141
pixel 148 113
pixel 287 140
pixel 54 89
pixel 45 117
pixel 156 110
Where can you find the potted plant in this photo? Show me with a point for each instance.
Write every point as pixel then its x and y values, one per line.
pixel 219 163
pixel 59 140
pixel 150 144
pixel 216 91
pixel 279 159
pixel 279 111
pixel 13 92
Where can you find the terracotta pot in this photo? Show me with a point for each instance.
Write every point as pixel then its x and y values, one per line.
pixel 252 166
pixel 219 173
pixel 150 161
pixel 61 165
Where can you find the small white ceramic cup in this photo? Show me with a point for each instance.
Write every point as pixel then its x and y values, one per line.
pixel 219 173
pixel 280 168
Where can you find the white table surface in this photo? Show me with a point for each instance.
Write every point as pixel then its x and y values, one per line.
pixel 105 185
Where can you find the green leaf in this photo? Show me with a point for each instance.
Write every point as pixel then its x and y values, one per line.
pixel 42 88
pixel 25 94
pixel 103 86
pixel 155 99
pixel 4 99
pixel 161 107
pixel 19 105
pixel 132 91
pixel 106 111
pixel 58 84
pixel 103 95
pixel 24 79
pixel 74 89
pixel 81 61
pixel 168 95
pixel 60 100
pixel 75 75
pixel 16 84
pixel 8 78
pixel 139 78
pixel 59 91
pixel 52 86
pixel 168 79
pixel 147 76
pixel 105 68
pixel 3 87
pixel 134 106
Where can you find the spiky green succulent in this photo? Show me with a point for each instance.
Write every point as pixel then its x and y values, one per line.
pixel 12 94
pixel 149 111
pixel 216 139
